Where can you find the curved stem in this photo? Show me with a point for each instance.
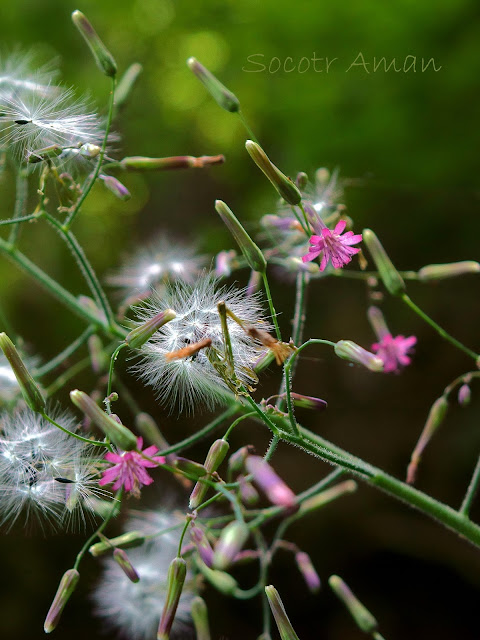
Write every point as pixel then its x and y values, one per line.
pixel 273 313
pixel 21 196
pixel 66 353
pixel 96 443
pixel 471 491
pixel 110 375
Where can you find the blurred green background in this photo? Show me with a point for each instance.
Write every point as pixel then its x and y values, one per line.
pixel 409 143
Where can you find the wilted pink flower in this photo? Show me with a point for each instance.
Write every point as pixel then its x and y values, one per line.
pixel 128 469
pixel 336 248
pixel 393 351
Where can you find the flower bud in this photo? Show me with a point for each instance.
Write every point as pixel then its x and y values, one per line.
pixel 140 163
pixel 364 619
pixel 442 271
pixel 464 395
pixel 222 96
pixel 65 589
pixel 253 254
pixel 248 493
pixel 149 430
pixel 283 623
pixel 236 462
pixel 308 402
pixel 138 336
pixel 296 264
pixel 200 618
pixel 103 57
pixel 231 540
pixel 214 459
pixel 308 571
pixel 126 566
pixel 117 433
pixel 434 420
pixel 270 483
pixel 324 497
pixel 39 155
pixel 202 544
pixel 223 263
pixel 177 572
pixel 349 350
pixel 189 466
pixel 377 322
pixel 253 284
pixel 301 180
pixel 89 150
pixel 285 187
pixel 116 187
pixel 30 391
pixel 126 84
pixel 222 581
pixel 125 541
pixel 392 280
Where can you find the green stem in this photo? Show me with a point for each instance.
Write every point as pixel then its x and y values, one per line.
pixel 471 491
pixel 16 221
pixel 182 536
pixel 96 443
pixel 110 375
pixel 307 223
pixel 438 328
pixel 272 447
pixel 237 421
pixel 21 196
pixel 247 126
pixel 91 181
pixel 63 355
pixel 273 313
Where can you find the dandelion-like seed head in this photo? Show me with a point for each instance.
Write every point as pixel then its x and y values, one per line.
pixel 190 381
pixel 134 609
pixel 19 73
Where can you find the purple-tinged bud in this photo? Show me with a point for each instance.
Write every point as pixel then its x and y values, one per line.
pixel 117 433
pixel 230 542
pixel 89 305
pixel 116 187
pixel 214 459
pixel 434 420
pixel 253 284
pixel 223 263
pixel 125 541
pixel 349 350
pixel 442 271
pixel 280 222
pixel 308 402
pixel 219 92
pixel 141 163
pixel 301 180
pixel 222 581
pixel 392 280
pixel 177 572
pixel 236 462
pixel 321 499
pixel 189 466
pixel 104 59
pixel 270 483
pixel 149 430
pixel 200 618
pixel 247 556
pixel 125 565
pixel 65 589
pixel 126 84
pixel 377 322
pixel 30 391
pixel 202 544
pixel 464 395
pixel 253 255
pixel 284 186
pixel 283 623
pixel 307 570
pixel 248 493
pixel 362 616
pixel 138 336
pixel 97 355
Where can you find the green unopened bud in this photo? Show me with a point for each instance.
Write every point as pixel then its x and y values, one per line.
pixel 253 254
pixel 126 84
pixel 104 59
pixel 283 623
pixel 65 589
pixel 30 391
pixel 214 459
pixel 301 180
pixel 140 163
pixel 149 430
pixel 236 462
pixel 189 466
pixel 219 92
pixel 392 280
pixel 125 565
pixel 222 581
pixel 295 265
pixel 138 336
pixel 230 542
pixel 200 618
pixel 117 433
pixel 327 496
pixel 362 616
pixel 125 541
pixel 97 355
pixel 442 271
pixel 177 572
pixel 285 187
pixel 104 508
pixel 349 350
pixel 39 155
pixel 435 418
pixel 377 322
pixel 308 402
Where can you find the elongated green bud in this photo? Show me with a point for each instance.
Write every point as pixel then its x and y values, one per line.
pixel 149 430
pixel 442 271
pixel 392 280
pixel 39 155
pixel 325 497
pixel 253 254
pixel 140 163
pixel 116 187
pixel 214 459
pixel 117 433
pixel 138 336
pixel 125 565
pixel 348 350
pixel 219 92
pixel 222 581
pixel 200 618
pixel 435 418
pixel 362 616
pixel 230 542
pixel 236 462
pixel 177 572
pixel 30 391
pixel 284 625
pixel 125 541
pixel 104 59
pixel 285 187
pixel 126 84
pixel 65 589
pixel 189 466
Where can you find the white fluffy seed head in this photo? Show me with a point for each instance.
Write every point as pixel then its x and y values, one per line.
pixel 19 73
pixel 134 609
pixel 192 381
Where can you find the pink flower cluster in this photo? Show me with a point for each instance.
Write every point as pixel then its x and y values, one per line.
pixel 336 248
pixel 393 351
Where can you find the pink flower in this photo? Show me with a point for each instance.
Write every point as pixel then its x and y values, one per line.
pixel 393 351
pixel 129 468
pixel 336 248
